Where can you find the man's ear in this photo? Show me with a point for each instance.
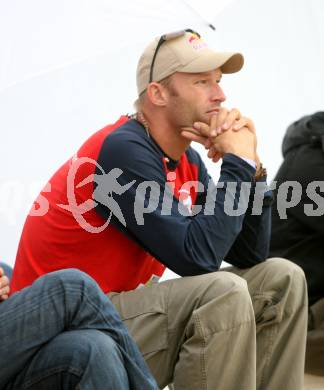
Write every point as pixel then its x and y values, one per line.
pixel 157 94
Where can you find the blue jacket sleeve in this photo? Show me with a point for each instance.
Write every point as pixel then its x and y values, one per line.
pixel 251 245
pixel 187 244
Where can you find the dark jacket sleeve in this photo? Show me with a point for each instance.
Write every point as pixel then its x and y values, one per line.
pixel 251 245
pixel 187 244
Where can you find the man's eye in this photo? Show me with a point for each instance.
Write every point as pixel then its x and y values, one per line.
pixel 202 81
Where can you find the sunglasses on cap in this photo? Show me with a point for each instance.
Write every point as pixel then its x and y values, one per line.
pixel 164 38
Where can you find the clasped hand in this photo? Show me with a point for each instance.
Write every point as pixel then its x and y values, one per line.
pixel 227 132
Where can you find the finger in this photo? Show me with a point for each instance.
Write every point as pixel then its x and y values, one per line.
pixel 239 124
pixel 1 271
pixel 4 281
pixel 213 126
pixel 232 116
pixel 208 143
pixel 199 128
pixel 244 122
pixel 212 152
pixel 220 130
pixel 203 128
pixel 190 130
pixel 4 297
pixel 191 136
pixel 221 118
pixel 4 291
pixel 217 157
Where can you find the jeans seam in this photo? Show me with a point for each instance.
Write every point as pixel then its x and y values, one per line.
pixel 33 307
pixel 49 372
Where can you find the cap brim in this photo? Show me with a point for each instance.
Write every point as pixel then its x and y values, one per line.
pixel 228 62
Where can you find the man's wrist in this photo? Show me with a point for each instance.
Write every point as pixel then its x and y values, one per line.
pixel 260 172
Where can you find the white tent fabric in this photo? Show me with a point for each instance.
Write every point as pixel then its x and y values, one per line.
pixel 67 68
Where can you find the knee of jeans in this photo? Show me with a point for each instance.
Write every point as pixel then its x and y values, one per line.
pixel 82 349
pixel 69 277
pixel 101 349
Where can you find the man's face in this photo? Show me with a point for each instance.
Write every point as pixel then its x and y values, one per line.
pixel 194 97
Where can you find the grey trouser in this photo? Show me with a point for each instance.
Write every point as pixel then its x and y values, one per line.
pixel 228 330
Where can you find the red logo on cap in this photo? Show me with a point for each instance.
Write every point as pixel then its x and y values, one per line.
pixel 196 42
pixel 193 37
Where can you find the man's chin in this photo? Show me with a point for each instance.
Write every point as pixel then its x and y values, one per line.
pixel 205 118
pixel 210 114
pixel 198 118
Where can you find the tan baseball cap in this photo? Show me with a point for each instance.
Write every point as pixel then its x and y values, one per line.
pixel 183 51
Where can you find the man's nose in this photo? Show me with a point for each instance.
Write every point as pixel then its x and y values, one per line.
pixel 217 93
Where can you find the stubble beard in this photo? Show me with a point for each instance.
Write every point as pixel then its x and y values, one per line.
pixel 185 115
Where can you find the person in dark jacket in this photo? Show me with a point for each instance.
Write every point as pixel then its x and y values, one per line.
pixel 300 237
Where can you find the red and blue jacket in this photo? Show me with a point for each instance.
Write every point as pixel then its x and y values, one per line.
pixel 160 219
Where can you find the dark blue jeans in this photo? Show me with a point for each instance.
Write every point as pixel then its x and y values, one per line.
pixel 64 333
